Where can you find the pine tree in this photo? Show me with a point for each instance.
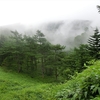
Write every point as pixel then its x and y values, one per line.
pixel 94 44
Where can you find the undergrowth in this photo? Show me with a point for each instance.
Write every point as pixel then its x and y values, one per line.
pixel 83 86
pixel 15 86
pixel 86 86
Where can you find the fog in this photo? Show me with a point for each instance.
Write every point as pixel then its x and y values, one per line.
pixel 58 32
pixel 35 12
pixel 60 20
pixel 64 32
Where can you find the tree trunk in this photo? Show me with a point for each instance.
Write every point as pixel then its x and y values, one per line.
pixel 42 66
pixel 20 69
pixel 31 63
pixel 56 73
pixel 35 63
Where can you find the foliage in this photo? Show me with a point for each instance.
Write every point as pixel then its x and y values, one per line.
pixel 31 54
pixel 94 44
pixel 85 86
pixel 36 56
pixel 44 61
pixel 76 58
pixel 17 86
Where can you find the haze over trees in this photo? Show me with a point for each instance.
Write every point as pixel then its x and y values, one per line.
pixel 35 55
pixel 68 72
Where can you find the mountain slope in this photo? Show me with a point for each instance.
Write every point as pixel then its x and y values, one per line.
pixel 83 86
pixel 15 86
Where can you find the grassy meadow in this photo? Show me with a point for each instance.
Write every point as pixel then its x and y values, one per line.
pixel 82 86
pixel 15 86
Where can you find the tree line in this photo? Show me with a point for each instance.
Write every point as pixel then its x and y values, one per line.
pixel 35 55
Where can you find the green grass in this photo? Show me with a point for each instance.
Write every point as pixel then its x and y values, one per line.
pixel 83 86
pixel 17 86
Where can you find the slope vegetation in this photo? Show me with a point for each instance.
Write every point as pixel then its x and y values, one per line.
pixel 15 86
pixel 83 86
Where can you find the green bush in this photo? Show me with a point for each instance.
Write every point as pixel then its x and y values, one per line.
pixel 86 86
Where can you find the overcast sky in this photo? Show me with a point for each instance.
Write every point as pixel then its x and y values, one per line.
pixel 38 11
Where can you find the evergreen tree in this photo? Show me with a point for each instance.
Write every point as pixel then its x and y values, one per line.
pixel 94 44
pixel 54 60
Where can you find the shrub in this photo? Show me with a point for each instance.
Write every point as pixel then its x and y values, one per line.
pixel 85 86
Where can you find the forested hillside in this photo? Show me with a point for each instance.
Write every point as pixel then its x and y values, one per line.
pixel 35 55
pixel 60 61
pixel 82 86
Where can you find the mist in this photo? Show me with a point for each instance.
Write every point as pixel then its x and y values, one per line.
pixel 35 12
pixel 61 21
pixel 57 32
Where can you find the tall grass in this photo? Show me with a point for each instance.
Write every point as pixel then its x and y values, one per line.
pixel 16 86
